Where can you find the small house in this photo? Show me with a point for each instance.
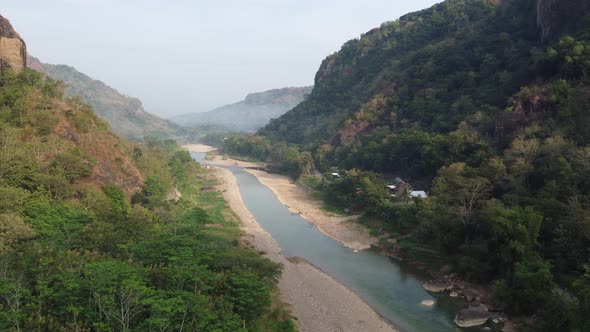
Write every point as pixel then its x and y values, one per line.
pixel 399 189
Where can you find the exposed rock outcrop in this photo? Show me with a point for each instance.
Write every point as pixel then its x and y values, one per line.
pixel 543 13
pixel 173 195
pixel 435 286
pixel 471 317
pixel 558 17
pixel 13 50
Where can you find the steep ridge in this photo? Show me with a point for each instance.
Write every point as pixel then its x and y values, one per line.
pixel 99 233
pixel 13 49
pixel 482 107
pixel 126 115
pixel 250 114
pixel 428 70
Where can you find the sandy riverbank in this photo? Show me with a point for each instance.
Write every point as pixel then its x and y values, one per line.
pixel 199 148
pixel 343 229
pixel 319 302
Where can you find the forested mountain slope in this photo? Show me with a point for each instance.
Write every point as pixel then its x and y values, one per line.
pixel 250 114
pixel 126 115
pixel 431 73
pixel 91 238
pixel 486 106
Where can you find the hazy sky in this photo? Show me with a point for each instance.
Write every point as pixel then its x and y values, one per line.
pixel 182 56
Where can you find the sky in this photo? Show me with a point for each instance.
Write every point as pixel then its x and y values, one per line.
pixel 183 56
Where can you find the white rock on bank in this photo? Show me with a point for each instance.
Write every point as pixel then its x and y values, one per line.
pixel 427 303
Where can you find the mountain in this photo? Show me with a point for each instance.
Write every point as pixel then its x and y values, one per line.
pixel 126 115
pixel 457 62
pixel 100 233
pixel 483 105
pixel 13 49
pixel 250 114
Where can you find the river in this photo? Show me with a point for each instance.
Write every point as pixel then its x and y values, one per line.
pixel 392 289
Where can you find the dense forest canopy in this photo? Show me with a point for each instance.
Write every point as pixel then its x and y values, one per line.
pixel 484 104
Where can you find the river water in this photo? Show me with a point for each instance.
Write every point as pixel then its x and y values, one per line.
pixel 393 290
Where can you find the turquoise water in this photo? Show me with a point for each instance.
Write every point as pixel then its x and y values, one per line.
pixel 394 291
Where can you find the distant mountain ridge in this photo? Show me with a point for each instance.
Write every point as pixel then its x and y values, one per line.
pixel 255 111
pixel 125 114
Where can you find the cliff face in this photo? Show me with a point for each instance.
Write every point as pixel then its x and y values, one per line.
pixel 556 17
pixel 13 50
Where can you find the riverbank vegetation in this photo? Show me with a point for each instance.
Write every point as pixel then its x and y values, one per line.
pixel 468 101
pixel 93 236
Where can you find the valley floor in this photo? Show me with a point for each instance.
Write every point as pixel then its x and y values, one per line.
pixel 319 302
pixel 343 229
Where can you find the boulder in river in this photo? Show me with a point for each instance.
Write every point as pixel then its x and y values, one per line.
pixel 427 303
pixel 435 286
pixel 471 317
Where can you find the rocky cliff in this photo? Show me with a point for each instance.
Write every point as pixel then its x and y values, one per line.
pixel 555 17
pixel 13 50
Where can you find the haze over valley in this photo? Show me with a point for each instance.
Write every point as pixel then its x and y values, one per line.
pixel 373 166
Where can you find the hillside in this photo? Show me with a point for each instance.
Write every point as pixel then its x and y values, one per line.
pixel 485 106
pixel 250 114
pixel 100 234
pixel 126 115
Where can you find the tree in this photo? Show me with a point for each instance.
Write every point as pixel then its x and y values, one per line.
pixel 515 232
pixel 305 164
pixel 248 294
pixel 13 231
pixel 13 296
pixel 527 286
pixel 118 291
pixel 458 187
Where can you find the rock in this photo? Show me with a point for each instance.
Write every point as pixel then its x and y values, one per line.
pixel 496 321
pixel 173 195
pixel 471 317
pixel 435 286
pixel 446 269
pixel 460 284
pixel 13 50
pixel 427 303
pixel 453 294
pixel 478 306
pixel 469 294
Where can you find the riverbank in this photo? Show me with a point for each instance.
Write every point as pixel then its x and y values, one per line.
pixel 343 229
pixel 319 302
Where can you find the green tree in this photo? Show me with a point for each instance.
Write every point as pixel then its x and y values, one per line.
pixel 119 293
